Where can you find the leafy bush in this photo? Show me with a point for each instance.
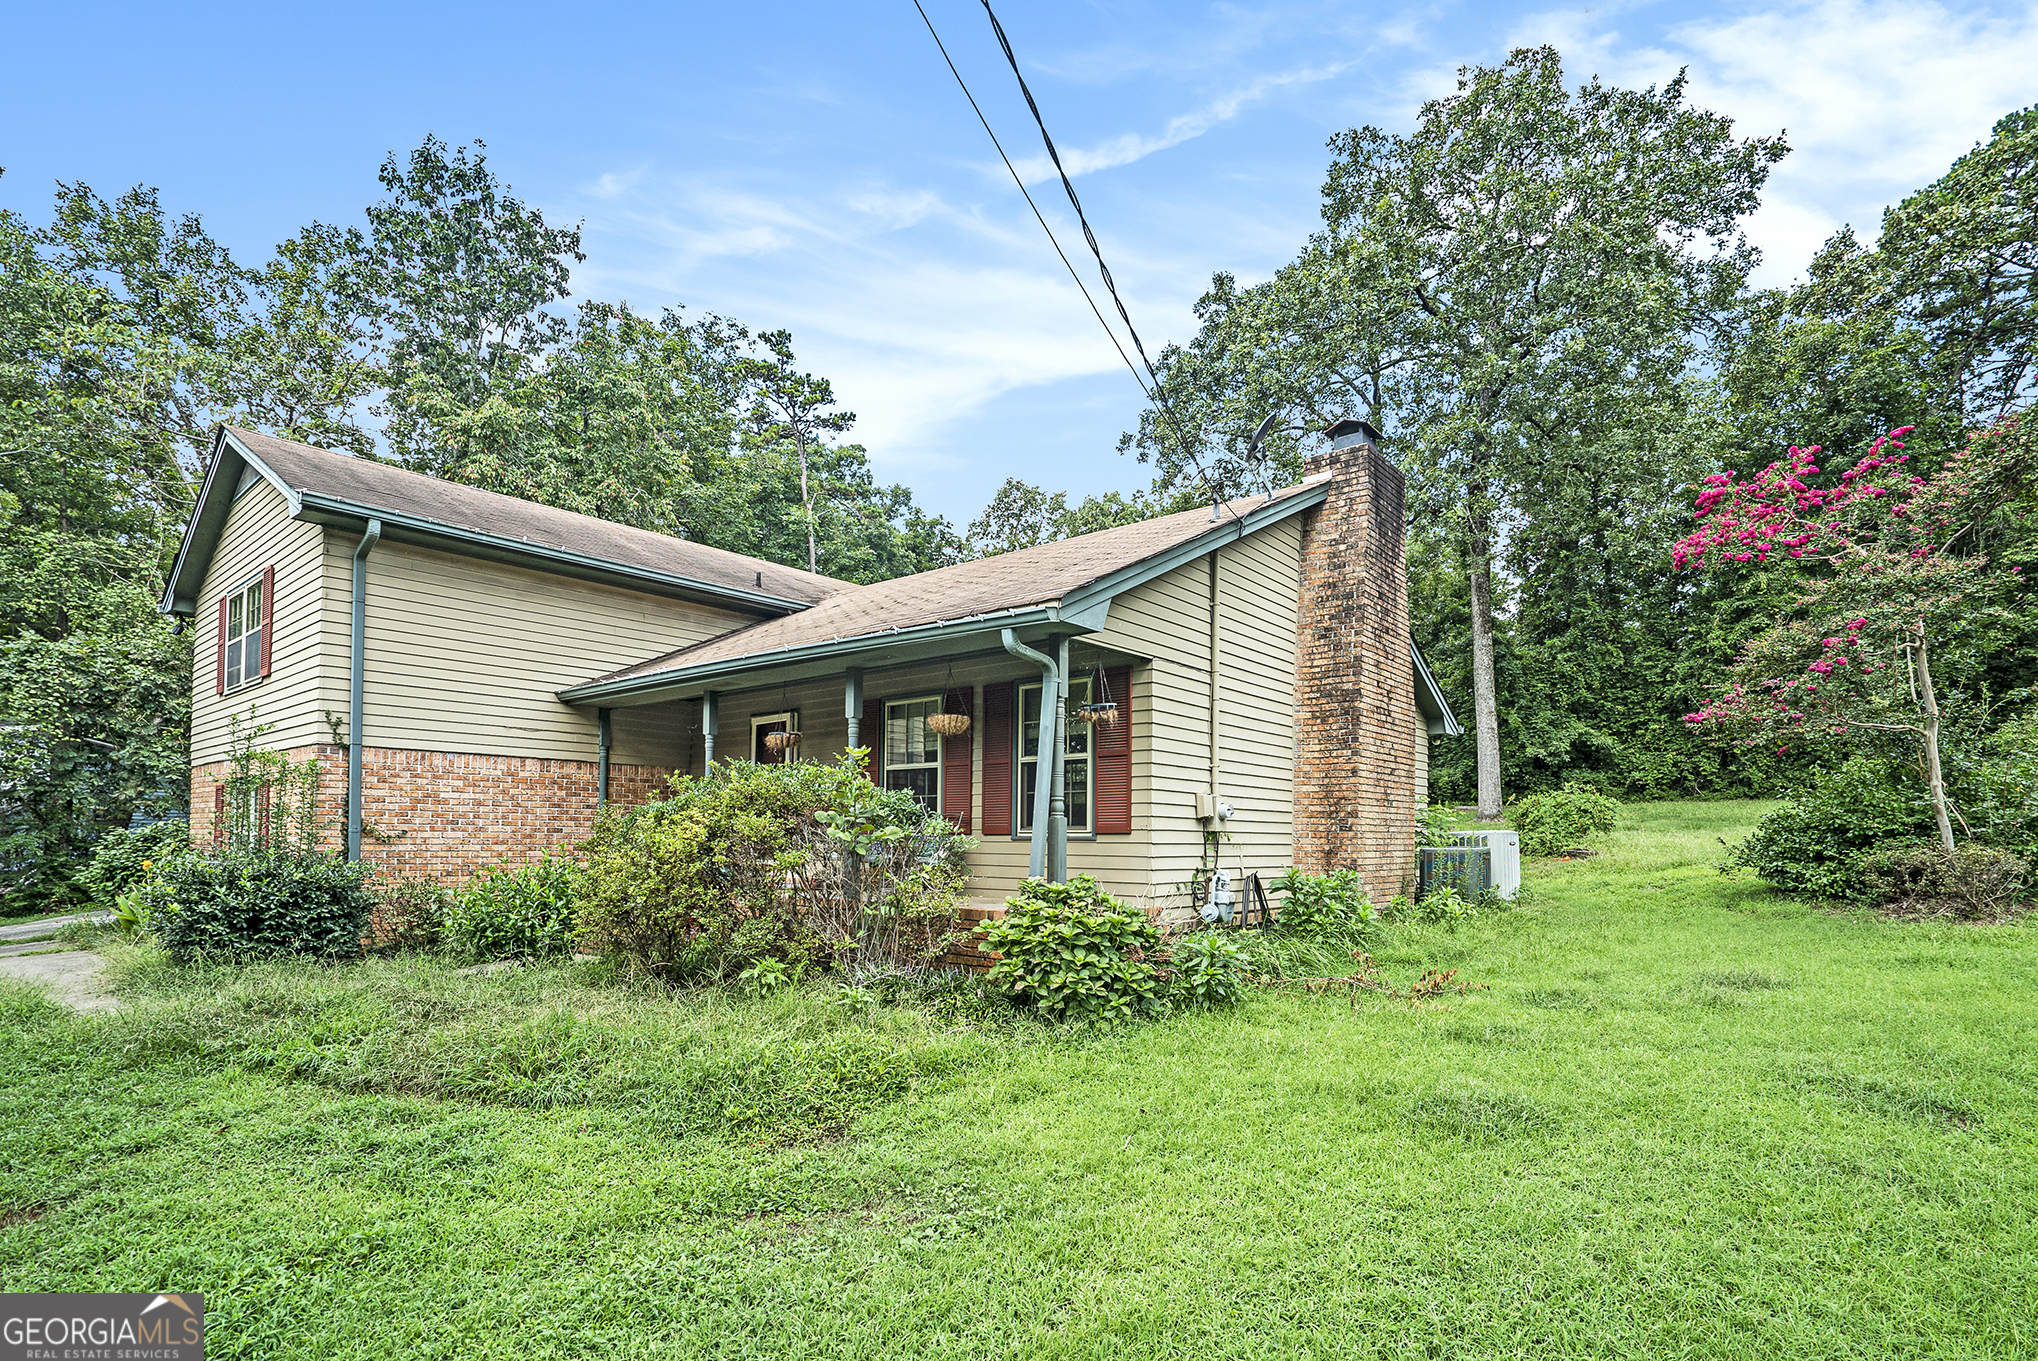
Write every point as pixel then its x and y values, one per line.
pixel 795 862
pixel 1814 843
pixel 1976 882
pixel 1210 970
pixel 1075 952
pixel 1329 904
pixel 521 912
pixel 254 903
pixel 1556 821
pixel 408 914
pixel 122 859
pixel 1436 825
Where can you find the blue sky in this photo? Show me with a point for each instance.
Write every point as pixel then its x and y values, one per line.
pixel 813 166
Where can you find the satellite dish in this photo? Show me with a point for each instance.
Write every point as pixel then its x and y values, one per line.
pixel 1253 450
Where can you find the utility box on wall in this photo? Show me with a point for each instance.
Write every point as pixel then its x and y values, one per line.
pixel 1503 858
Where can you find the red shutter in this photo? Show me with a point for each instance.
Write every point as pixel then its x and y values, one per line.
pixel 955 759
pixel 871 733
pixel 218 813
pixel 998 759
pixel 268 612
pixel 219 679
pixel 1114 759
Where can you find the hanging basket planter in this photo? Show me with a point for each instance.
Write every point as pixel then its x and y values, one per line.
pixel 948 725
pixel 1102 714
pixel 779 743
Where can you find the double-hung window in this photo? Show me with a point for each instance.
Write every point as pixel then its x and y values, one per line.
pixel 1076 783
pixel 243 637
pixel 912 751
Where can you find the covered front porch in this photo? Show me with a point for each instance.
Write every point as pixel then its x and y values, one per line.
pixel 1019 689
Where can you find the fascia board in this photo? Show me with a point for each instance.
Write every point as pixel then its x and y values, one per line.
pixel 646 688
pixel 1444 723
pixel 1225 531
pixel 437 534
pixel 209 512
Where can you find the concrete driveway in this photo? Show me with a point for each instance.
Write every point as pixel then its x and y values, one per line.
pixel 70 974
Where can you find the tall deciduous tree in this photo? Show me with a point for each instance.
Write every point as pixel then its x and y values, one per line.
pixel 455 275
pixel 1021 515
pixel 1492 277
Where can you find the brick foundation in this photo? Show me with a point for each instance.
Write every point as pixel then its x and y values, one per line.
pixel 1361 767
pixel 448 815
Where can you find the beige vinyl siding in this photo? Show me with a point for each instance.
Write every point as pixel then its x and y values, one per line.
pixel 466 655
pixel 1168 619
pixel 260 533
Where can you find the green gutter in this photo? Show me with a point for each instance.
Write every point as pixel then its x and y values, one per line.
pixel 429 533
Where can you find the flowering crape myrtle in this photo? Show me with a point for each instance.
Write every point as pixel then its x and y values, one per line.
pixel 1892 575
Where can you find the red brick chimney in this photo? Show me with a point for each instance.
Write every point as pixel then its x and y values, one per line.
pixel 1361 747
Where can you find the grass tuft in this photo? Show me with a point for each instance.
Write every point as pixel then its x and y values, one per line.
pixel 1479 1115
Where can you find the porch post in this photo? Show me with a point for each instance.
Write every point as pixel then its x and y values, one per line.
pixel 709 715
pixel 852 705
pixel 1058 794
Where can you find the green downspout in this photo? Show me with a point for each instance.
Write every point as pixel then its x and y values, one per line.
pixel 1050 810
pixel 360 664
pixel 601 720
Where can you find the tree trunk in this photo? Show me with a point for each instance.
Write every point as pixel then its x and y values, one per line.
pixel 1934 776
pixel 807 506
pixel 1485 705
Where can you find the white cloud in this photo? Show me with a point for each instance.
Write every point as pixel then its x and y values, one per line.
pixel 1134 146
pixel 1878 97
pixel 891 293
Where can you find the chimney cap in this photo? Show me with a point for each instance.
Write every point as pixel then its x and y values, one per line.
pixel 1348 433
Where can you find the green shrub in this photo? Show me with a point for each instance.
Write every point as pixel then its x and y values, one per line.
pixel 516 912
pixel 408 913
pixel 1329 904
pixel 1814 843
pixel 1075 952
pixel 248 904
pixel 795 862
pixel 1209 970
pixel 123 859
pixel 1554 822
pixel 1977 882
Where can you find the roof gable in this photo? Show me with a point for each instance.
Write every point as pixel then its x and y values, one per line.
pixel 346 492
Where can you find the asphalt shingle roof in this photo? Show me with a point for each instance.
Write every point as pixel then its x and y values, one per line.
pixel 1009 581
pixel 382 486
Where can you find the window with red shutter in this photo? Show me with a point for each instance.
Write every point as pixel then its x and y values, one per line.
pixel 998 759
pixel 956 788
pixel 870 732
pixel 1114 759
pixel 244 633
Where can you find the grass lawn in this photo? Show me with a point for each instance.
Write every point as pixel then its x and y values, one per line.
pixel 1685 1117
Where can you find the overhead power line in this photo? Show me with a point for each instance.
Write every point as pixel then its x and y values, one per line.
pixel 1148 393
pixel 1074 202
